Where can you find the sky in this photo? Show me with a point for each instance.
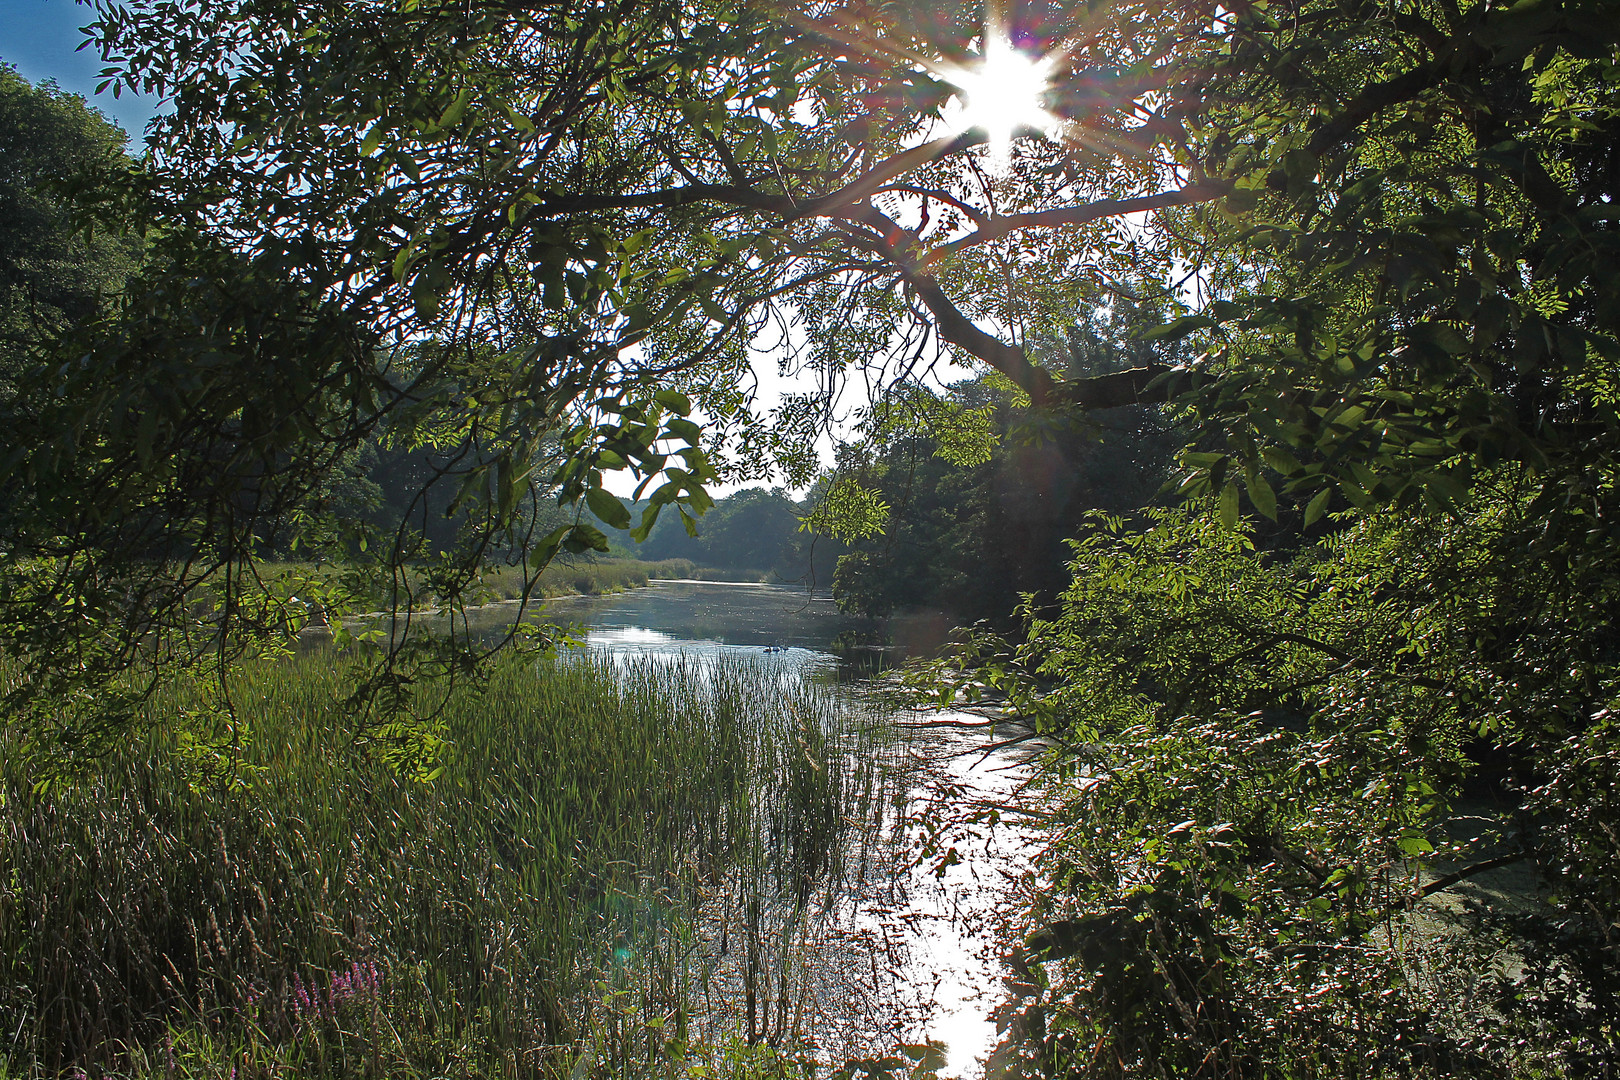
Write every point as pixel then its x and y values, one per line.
pixel 38 38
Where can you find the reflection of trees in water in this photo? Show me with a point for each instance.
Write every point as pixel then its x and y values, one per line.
pixel 901 940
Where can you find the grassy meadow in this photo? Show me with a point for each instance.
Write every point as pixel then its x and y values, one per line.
pixel 536 910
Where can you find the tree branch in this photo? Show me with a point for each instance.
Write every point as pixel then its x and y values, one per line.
pixel 1467 872
pixel 1082 214
pixel 1359 111
pixel 1447 881
pixel 1133 386
pixel 879 175
pixel 961 331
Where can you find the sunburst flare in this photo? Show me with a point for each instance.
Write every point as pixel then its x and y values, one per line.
pixel 1001 93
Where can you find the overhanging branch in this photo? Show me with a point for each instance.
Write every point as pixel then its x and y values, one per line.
pixel 1081 214
pixel 1134 386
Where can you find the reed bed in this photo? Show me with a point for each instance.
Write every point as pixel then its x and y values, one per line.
pixel 311 592
pixel 587 577
pixel 535 910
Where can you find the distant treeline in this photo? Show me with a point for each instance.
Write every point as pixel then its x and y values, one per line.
pixel 751 533
pixel 966 541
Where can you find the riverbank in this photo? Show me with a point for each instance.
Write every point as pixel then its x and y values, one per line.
pixel 600 882
pixel 578 577
pixel 307 586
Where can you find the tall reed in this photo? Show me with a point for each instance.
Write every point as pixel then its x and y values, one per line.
pixel 312 910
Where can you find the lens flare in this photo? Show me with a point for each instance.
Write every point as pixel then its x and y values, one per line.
pixel 1001 94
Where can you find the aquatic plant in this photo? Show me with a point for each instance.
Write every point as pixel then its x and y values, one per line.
pixel 307 907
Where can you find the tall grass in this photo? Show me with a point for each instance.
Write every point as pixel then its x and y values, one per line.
pixel 535 910
pixel 564 576
pixel 588 577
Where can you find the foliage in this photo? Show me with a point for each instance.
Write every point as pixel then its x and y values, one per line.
pixel 514 235
pixel 848 511
pixel 1413 289
pixel 209 419
pixel 749 530
pixel 1409 316
pixel 1266 763
pixel 51 275
pixel 970 537
pixel 593 213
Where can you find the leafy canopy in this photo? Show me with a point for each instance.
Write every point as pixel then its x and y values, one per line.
pixel 51 277
pixel 542 239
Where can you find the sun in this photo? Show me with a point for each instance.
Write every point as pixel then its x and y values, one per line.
pixel 1000 94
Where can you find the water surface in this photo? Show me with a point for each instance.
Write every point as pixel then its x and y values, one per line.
pixel 701 615
pixel 925 932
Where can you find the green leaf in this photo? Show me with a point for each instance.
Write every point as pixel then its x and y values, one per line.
pixel 426 301
pixel 1242 200
pixel 583 537
pixel 665 493
pixel 543 552
pixel 605 505
pixel 1178 328
pixel 457 108
pixel 402 261
pixel 675 401
pixel 1229 504
pixel 684 429
pixel 1285 463
pixel 1264 499
pixel 649 518
pixel 1318 506
pixel 698 499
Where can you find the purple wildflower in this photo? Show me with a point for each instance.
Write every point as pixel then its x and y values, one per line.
pixel 304 998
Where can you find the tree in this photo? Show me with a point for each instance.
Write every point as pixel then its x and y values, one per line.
pixel 1401 213
pixel 1398 222
pixel 1306 122
pixel 51 276
pixel 1271 760
pixel 983 492
pixel 752 529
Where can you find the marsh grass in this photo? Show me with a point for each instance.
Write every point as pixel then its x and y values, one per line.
pixel 304 595
pixel 535 910
pixel 587 577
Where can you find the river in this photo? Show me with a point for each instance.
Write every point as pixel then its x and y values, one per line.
pixel 914 938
